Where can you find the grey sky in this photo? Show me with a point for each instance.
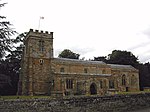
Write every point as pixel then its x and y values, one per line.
pixel 88 27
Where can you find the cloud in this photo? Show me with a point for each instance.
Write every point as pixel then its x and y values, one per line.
pixel 147 32
pixel 143 54
pixel 82 51
pixel 76 49
pixel 145 59
pixel 144 44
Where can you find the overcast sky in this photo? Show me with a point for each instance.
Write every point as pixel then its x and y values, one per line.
pixel 88 27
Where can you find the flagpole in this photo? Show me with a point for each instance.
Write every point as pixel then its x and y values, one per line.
pixel 40 22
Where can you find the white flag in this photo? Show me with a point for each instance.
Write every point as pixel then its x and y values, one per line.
pixel 41 17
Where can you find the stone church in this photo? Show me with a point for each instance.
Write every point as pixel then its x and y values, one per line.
pixel 42 74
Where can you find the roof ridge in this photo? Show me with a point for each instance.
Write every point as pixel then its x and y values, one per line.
pixel 78 60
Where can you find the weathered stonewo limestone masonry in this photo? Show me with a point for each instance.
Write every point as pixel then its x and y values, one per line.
pixel 42 74
pixel 123 103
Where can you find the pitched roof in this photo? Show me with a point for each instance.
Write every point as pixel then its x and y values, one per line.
pixel 79 61
pixel 117 66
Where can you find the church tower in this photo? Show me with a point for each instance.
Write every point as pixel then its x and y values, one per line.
pixel 35 77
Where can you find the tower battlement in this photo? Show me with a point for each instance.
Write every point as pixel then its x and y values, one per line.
pixel 40 34
pixel 39 43
pixel 40 31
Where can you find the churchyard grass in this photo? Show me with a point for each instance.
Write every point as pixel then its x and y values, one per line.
pixel 24 97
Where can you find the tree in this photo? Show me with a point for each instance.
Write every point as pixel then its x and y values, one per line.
pixel 5 33
pixel 144 74
pixel 100 58
pixel 123 57
pixel 6 45
pixel 11 66
pixel 68 54
pixel 18 46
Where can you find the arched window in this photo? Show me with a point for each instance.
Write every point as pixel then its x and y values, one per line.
pixel 62 69
pixel 85 70
pixel 69 83
pixel 111 84
pixel 101 84
pixel 123 80
pixel 104 71
pixel 133 80
pixel 41 45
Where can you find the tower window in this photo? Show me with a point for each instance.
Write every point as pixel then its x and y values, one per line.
pixel 62 69
pixel 53 82
pixel 41 45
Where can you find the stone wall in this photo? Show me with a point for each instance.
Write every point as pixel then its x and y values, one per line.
pixel 118 103
pixel 85 73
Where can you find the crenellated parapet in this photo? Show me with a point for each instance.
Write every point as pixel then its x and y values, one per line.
pixel 39 33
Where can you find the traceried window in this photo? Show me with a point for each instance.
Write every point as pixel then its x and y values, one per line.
pixel 133 80
pixel 69 83
pixel 41 45
pixel 62 69
pixel 85 70
pixel 111 84
pixel 123 80
pixel 101 84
